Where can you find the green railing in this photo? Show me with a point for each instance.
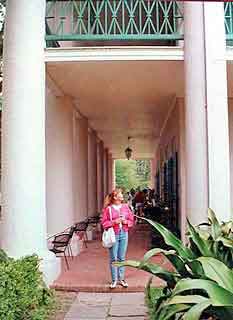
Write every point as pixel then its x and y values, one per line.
pixel 94 20
pixel 113 20
pixel 229 20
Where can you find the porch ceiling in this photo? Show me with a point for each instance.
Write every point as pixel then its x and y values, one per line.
pixel 122 98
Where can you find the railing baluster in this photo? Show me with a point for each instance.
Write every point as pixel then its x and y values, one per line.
pixel 123 17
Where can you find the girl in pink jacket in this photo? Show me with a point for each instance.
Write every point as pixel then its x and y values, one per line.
pixel 116 214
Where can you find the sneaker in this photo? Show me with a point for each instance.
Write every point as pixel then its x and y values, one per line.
pixel 123 283
pixel 113 285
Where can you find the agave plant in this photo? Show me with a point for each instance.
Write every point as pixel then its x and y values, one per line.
pixel 201 283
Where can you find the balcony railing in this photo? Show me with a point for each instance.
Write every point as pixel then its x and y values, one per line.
pixel 124 20
pixel 228 7
pixel 113 20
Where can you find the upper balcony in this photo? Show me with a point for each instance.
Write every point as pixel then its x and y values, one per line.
pixel 119 22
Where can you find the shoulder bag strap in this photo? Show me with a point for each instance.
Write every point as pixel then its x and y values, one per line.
pixel 110 213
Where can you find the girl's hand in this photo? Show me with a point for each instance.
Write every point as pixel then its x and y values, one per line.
pixel 117 221
pixel 124 221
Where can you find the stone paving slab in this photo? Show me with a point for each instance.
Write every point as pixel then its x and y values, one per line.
pixel 78 318
pixel 127 311
pixel 86 311
pixel 94 298
pixel 111 306
pixel 136 299
pixel 126 318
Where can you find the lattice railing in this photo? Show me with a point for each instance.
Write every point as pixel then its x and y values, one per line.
pixel 113 20
pixel 72 20
pixel 229 20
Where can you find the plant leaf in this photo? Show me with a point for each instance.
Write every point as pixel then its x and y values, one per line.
pixel 217 271
pixel 155 251
pixel 226 241
pixel 227 228
pixel 196 269
pixel 128 263
pixel 167 312
pixel 195 312
pixel 218 295
pixel 171 255
pixel 172 240
pixel 189 299
pixel 215 226
pixel 169 277
pixel 204 246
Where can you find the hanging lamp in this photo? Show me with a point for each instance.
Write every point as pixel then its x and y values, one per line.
pixel 128 151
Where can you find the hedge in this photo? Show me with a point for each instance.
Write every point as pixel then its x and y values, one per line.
pixel 23 293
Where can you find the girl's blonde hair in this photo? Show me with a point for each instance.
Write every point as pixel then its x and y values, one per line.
pixel 110 197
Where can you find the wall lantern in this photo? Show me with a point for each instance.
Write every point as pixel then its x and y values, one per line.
pixel 128 151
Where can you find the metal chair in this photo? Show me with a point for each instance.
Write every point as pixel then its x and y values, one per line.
pixel 80 228
pixel 61 243
pixel 93 220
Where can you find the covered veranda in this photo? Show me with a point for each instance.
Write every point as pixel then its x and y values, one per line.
pixel 110 99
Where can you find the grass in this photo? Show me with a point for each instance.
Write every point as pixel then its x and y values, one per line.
pixel 152 294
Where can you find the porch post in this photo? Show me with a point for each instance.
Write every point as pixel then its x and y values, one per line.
pixel 100 173
pixel 217 110
pixel 110 172
pixel 92 173
pixel 82 165
pixel 195 114
pixel 106 189
pixel 24 227
pixel 113 174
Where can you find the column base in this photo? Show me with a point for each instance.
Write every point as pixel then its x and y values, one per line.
pixel 50 267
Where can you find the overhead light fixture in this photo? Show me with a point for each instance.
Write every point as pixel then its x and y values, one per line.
pixel 128 150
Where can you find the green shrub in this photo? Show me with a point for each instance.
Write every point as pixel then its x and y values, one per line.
pixel 23 294
pixel 200 285
pixel 3 256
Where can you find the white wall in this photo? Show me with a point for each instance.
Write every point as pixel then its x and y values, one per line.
pixel 59 163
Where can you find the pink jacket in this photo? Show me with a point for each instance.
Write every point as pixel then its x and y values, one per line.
pixel 125 210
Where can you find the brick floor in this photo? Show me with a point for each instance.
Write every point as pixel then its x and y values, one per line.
pixel 89 271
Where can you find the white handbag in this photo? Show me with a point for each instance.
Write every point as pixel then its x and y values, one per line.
pixel 108 236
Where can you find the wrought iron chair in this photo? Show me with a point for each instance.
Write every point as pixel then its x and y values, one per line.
pixel 93 220
pixel 80 228
pixel 61 244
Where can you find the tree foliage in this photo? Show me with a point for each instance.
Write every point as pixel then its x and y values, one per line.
pixel 132 173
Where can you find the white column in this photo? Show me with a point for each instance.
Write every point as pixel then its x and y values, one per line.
pixel 92 173
pixel 59 163
pixel 217 110
pixel 195 114
pixel 82 167
pixel 181 168
pixel 100 173
pixel 106 190
pixel 23 135
pixel 113 174
pixel 110 172
pixel 231 147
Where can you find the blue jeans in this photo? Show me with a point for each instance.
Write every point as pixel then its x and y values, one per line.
pixel 117 253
